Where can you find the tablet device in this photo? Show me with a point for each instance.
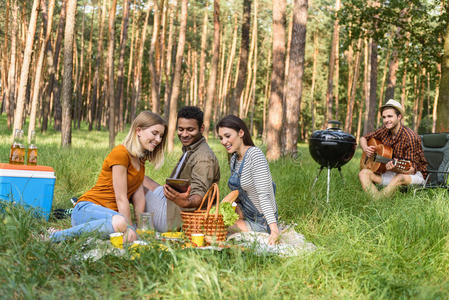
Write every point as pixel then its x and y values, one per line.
pixel 181 185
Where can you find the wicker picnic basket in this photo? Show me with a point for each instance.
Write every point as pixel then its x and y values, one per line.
pixel 202 221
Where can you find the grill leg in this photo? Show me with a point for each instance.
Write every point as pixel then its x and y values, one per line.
pixel 328 183
pixel 342 178
pixel 316 178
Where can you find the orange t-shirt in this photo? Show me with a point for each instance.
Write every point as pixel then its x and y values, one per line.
pixel 103 191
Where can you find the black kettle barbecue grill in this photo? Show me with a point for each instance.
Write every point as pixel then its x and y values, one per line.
pixel 331 148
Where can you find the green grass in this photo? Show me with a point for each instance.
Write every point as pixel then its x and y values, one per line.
pixel 393 248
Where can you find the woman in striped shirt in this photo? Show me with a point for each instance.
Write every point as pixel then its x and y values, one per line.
pixel 250 175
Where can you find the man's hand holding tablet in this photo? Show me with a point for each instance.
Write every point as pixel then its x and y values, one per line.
pixel 180 185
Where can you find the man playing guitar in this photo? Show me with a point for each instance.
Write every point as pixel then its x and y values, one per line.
pixel 406 145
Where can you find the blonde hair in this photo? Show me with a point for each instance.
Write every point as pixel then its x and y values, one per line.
pixel 144 120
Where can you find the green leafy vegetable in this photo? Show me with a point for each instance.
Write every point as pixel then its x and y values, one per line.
pixel 228 213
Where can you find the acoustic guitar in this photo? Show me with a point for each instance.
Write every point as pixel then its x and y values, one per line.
pixel 382 156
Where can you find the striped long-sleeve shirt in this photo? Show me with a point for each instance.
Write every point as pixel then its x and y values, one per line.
pixel 256 181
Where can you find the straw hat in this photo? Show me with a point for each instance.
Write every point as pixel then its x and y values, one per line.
pixel 394 104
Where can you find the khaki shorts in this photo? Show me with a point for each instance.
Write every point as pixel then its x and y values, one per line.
pixel 417 178
pixel 166 214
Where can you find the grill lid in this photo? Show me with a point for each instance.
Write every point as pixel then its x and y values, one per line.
pixel 332 147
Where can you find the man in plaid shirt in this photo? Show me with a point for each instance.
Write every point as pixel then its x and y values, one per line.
pixel 406 145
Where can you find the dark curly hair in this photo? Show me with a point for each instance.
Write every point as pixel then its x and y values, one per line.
pixel 192 112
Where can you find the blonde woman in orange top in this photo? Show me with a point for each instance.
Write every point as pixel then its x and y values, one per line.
pixel 106 207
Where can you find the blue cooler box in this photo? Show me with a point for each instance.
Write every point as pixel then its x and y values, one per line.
pixel 29 186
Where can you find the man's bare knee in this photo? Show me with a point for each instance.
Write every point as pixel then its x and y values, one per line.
pixel 365 173
pixel 119 223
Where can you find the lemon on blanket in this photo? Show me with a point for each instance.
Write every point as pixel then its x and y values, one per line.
pixel 138 247
pixel 173 235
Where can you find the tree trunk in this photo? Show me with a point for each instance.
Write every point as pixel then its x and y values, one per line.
pixel 138 74
pixel 404 83
pixel 168 68
pixel 295 75
pixel 98 61
pixel 213 69
pixel 52 64
pixel 416 83
pixel 201 84
pixel 312 88
pixel 371 106
pixel 120 77
pixel 359 122
pixel 277 82
pixel 4 61
pixel 244 48
pixel 80 77
pixel 245 98
pixel 382 87
pixel 56 88
pixel 103 99
pixel 350 59
pixel 66 129
pixel 253 89
pixel 89 112
pixel 366 81
pixel 249 92
pixel 110 93
pixel 160 53
pixel 442 125
pixel 227 76
pixel 392 76
pixel 11 88
pixel 18 115
pixel 194 83
pixel 47 24
pixel 177 77
pixel 337 75
pixel 133 46
pixel 420 99
pixel 348 121
pixel 265 98
pixel 435 99
pixel 330 76
pixel 154 74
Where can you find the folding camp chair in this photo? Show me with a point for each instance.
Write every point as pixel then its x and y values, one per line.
pixel 436 151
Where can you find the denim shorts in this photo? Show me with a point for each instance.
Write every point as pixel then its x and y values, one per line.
pixel 257 227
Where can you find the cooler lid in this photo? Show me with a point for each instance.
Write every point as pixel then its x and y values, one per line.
pixel 26 171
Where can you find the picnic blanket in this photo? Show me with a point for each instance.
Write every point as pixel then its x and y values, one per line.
pixel 290 243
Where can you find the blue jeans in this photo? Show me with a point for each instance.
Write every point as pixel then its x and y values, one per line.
pixel 87 217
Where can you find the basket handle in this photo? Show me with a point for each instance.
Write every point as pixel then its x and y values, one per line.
pixel 206 197
pixel 215 196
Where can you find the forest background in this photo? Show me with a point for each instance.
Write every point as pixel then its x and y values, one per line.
pixel 287 67
pixel 71 68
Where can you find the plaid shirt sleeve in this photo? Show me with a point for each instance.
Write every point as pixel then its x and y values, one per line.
pixel 379 134
pixel 410 151
pixel 413 151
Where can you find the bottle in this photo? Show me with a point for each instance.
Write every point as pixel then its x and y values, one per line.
pixel 14 153
pixel 21 158
pixel 32 150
